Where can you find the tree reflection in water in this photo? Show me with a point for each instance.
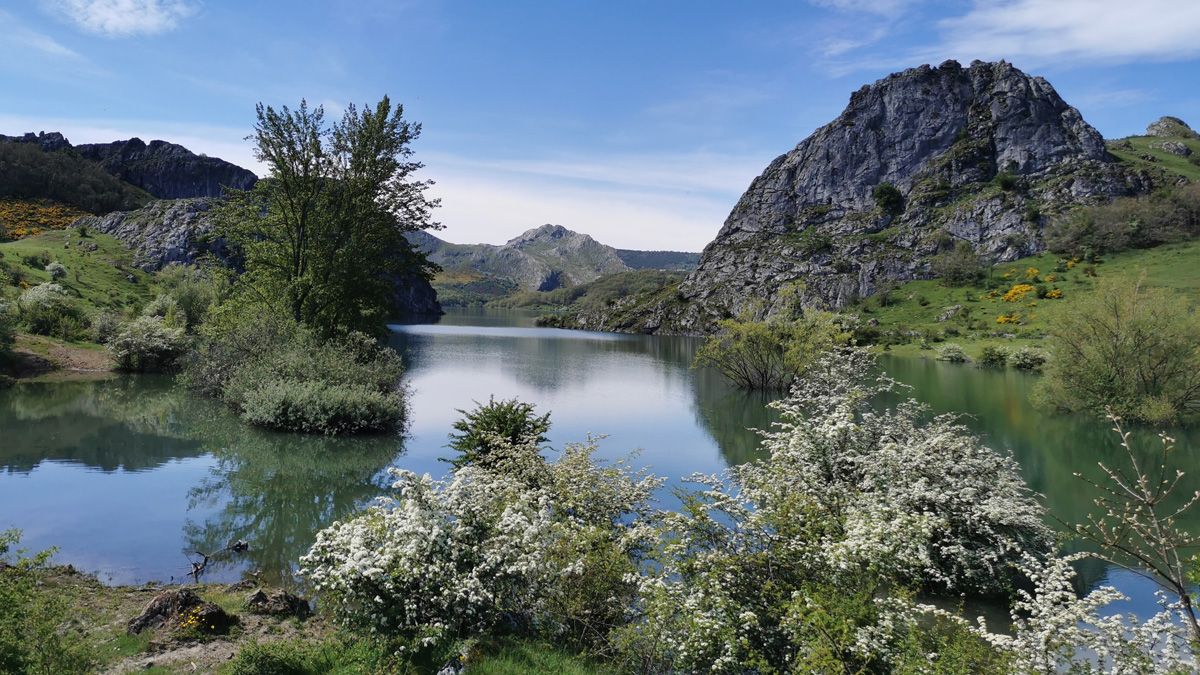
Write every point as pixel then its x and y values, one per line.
pixel 276 491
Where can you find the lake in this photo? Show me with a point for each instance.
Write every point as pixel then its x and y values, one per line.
pixel 129 476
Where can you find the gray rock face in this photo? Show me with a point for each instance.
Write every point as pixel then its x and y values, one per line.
pixel 1175 148
pixel 541 259
pixel 167 170
pixel 163 232
pixel 47 141
pixel 981 154
pixel 1170 127
pixel 178 231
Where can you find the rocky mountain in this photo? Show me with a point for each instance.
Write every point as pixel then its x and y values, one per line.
pixel 678 261
pixel 541 259
pixel 165 170
pixel 178 231
pixel 918 161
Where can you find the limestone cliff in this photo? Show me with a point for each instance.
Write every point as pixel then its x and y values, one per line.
pixel 167 170
pixel 983 154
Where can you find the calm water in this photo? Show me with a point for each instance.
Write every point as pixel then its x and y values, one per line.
pixel 128 476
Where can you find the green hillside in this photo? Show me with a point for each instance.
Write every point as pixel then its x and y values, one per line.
pixel 100 271
pixel 909 317
pixel 1145 152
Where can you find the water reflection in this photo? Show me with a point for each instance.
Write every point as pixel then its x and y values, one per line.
pixel 276 491
pixel 127 475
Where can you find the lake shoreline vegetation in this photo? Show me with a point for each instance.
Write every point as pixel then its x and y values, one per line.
pixel 851 544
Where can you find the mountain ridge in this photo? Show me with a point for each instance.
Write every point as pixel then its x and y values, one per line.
pixel 162 169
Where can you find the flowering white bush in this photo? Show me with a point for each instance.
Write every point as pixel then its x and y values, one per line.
pixel 524 546
pixel 146 344
pixel 850 501
pixel 949 511
pixel 1056 631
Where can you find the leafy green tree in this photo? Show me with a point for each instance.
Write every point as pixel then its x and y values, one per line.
pixel 769 354
pixel 960 266
pixel 322 237
pixel 495 425
pixel 1128 349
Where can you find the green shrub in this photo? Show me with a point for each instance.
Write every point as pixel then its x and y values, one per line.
pixel 8 328
pixel 195 290
pixel 1128 350
pixel 888 198
pixel 1133 222
pixel 319 407
pixel 284 376
pixel 105 326
pixel 167 308
pixel 494 425
pixel 56 270
pixel 146 345
pixel 46 309
pixel 960 266
pixel 37 634
pixel 769 354
pixel 951 353
pixel 993 357
pixel 1028 358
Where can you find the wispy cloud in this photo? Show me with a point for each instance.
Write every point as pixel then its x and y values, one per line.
pixel 1074 30
pixel 1031 32
pixel 20 39
pixel 123 18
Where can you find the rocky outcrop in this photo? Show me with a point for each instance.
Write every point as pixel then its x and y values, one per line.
pixel 48 141
pixel 918 161
pixel 167 170
pixel 1171 127
pixel 541 259
pixel 163 232
pixel 181 231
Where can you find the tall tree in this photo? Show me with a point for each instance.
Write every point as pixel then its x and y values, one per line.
pixel 322 237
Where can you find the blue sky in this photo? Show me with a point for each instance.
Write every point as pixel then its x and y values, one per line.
pixel 639 123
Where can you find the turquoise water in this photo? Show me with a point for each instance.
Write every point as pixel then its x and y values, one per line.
pixel 129 476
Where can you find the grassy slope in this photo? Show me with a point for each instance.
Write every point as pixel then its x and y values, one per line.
pixel 461 287
pixel 1163 160
pixel 918 304
pixel 99 279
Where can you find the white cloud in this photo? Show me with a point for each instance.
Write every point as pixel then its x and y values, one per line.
pixel 1039 31
pixel 673 202
pixel 122 18
pixel 19 39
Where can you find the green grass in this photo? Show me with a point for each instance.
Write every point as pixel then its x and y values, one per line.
pixel 1163 159
pixel 519 658
pixel 98 279
pixel 916 305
